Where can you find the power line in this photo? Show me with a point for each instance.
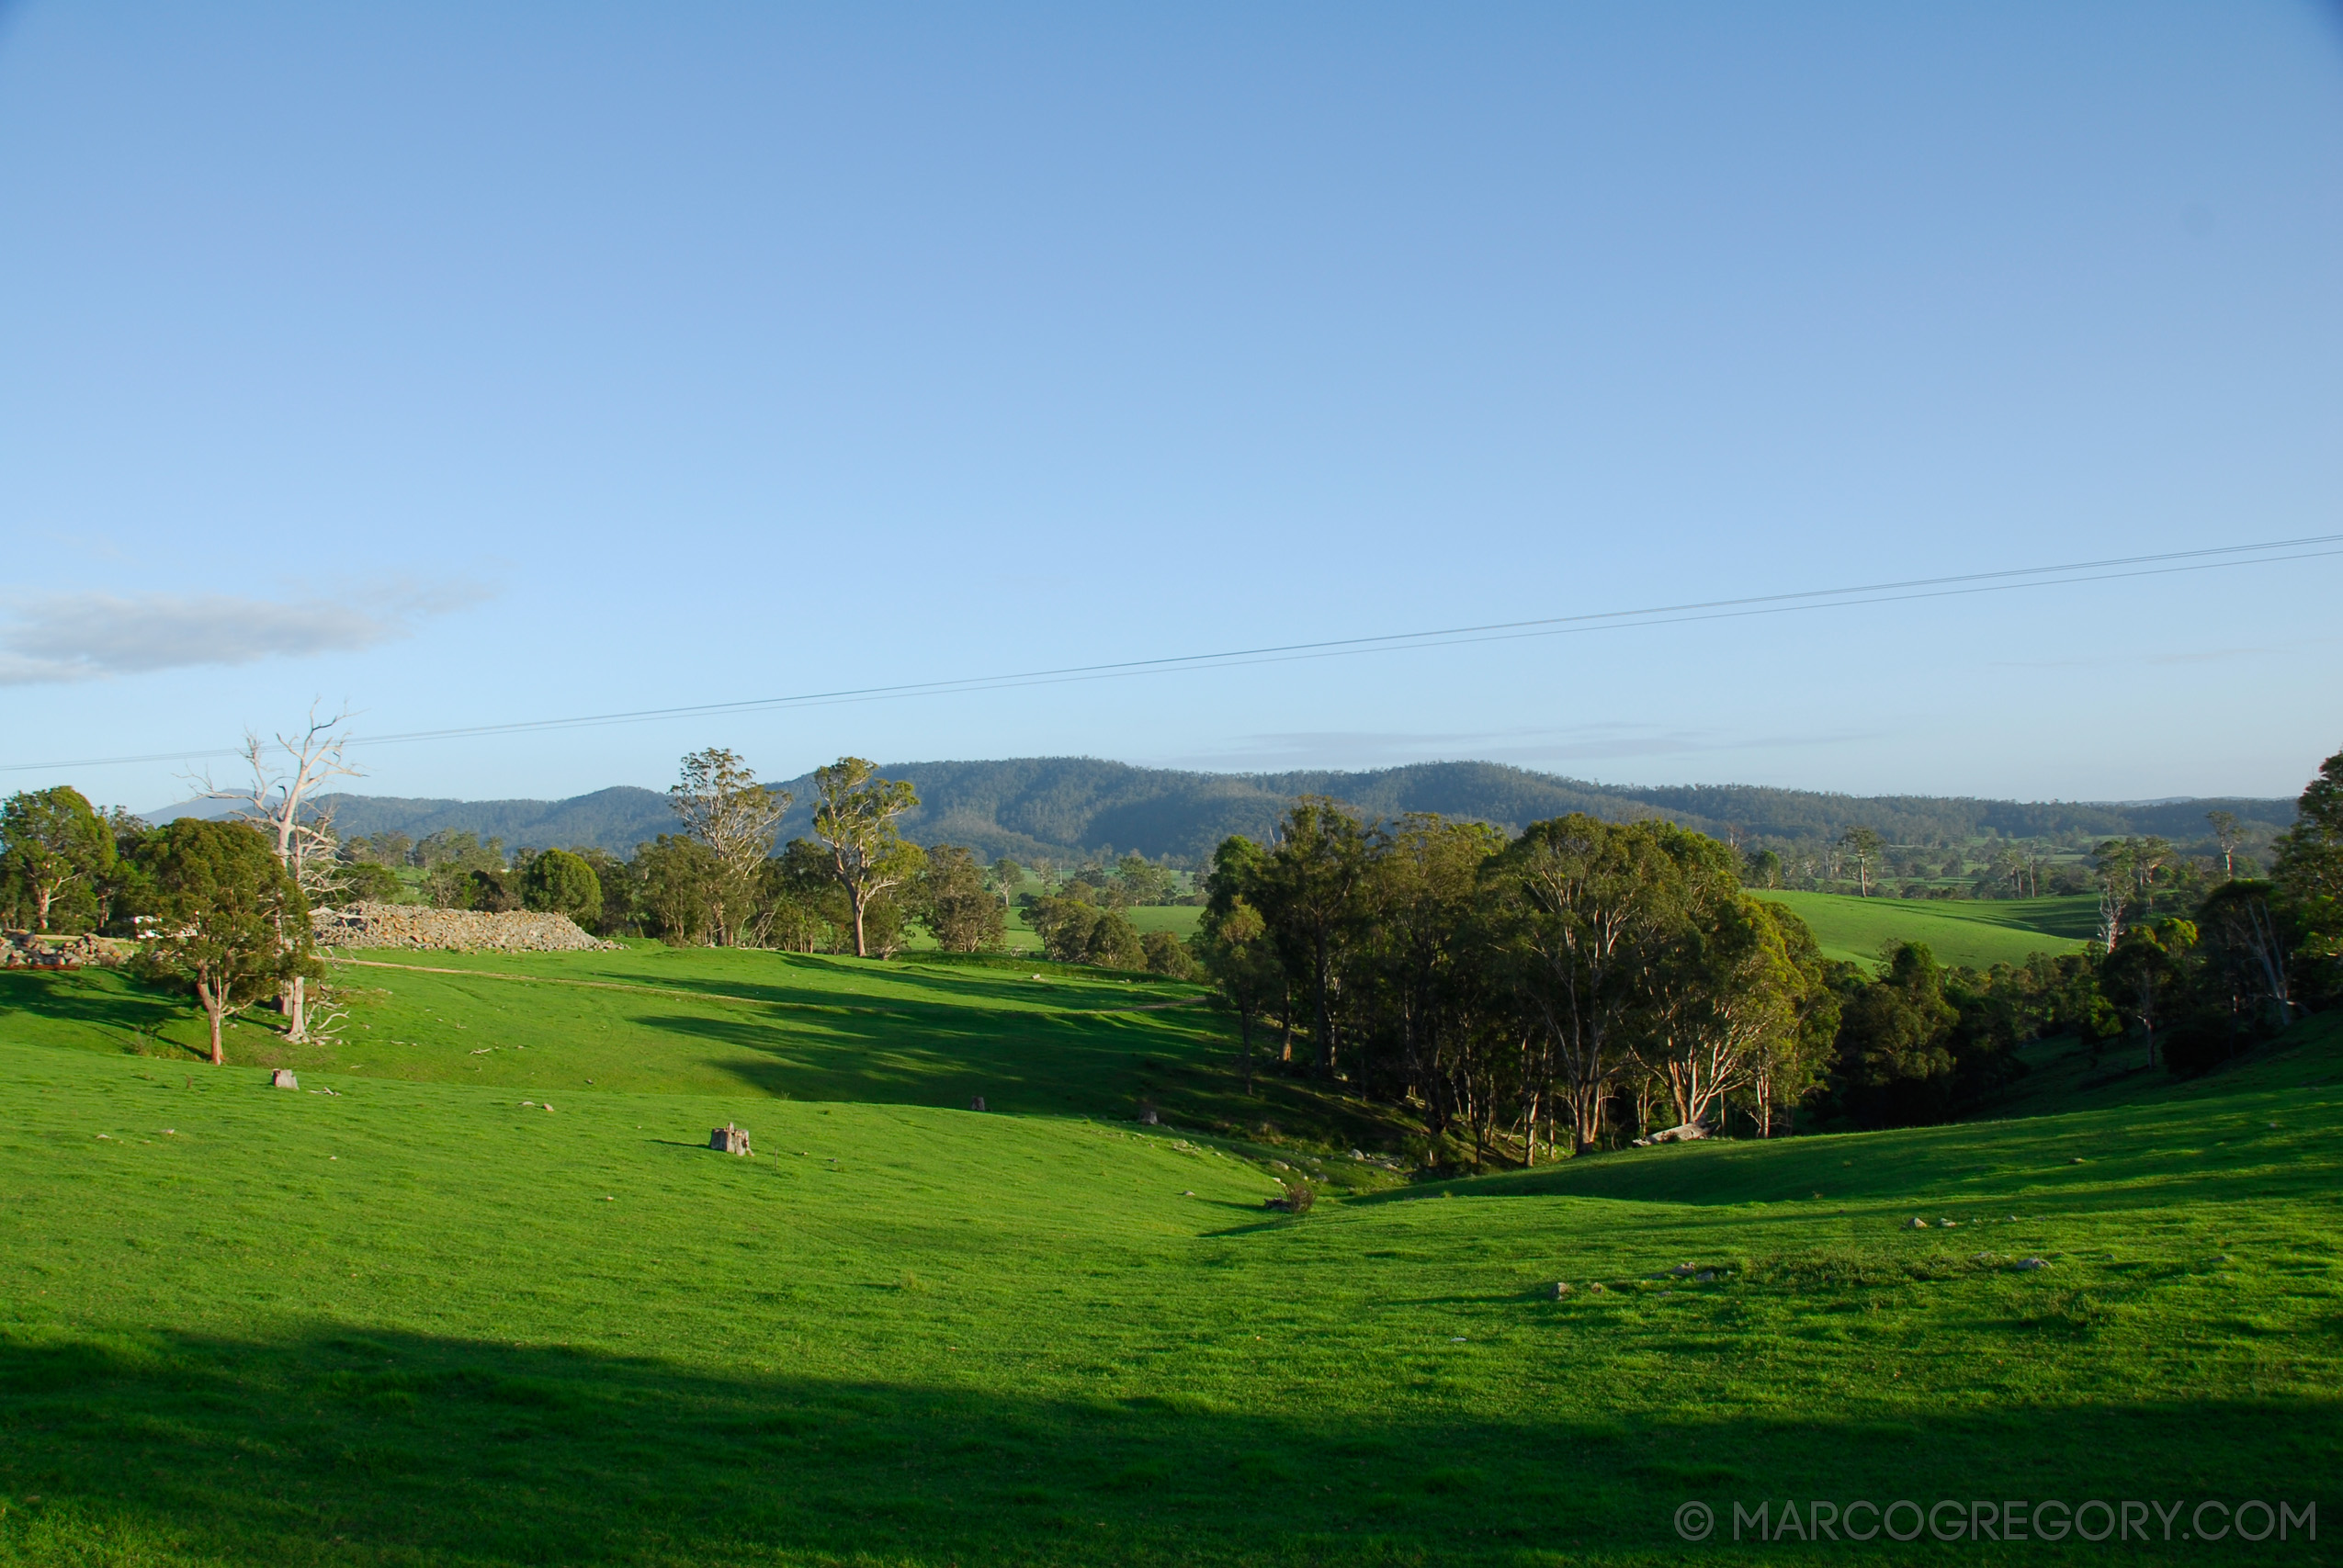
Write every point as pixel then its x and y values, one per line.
pixel 2112 569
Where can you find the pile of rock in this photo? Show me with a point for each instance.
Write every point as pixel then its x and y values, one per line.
pixel 462 930
pixel 29 950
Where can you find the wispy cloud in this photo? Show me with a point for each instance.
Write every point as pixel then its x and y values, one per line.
pixel 1526 746
pixel 62 637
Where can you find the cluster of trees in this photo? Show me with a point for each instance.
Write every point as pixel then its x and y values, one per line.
pixel 2249 955
pixel 220 906
pixel 1588 982
pixel 1080 917
pixel 64 867
pixel 856 885
pixel 1584 981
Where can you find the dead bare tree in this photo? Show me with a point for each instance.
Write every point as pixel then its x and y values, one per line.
pixel 287 774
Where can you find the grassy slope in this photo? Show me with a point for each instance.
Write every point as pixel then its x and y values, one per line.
pixel 1035 1037
pixel 419 1322
pixel 1978 932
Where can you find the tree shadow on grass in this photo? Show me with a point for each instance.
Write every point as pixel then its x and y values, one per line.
pixel 810 981
pixel 1099 1067
pixel 334 1445
pixel 95 1001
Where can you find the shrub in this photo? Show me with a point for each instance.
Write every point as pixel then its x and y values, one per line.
pixel 491 889
pixel 365 882
pixel 560 883
pixel 1167 955
pixel 1297 1199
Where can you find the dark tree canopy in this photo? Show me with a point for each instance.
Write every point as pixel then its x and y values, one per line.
pixel 230 921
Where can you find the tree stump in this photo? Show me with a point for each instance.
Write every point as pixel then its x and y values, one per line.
pixel 283 1078
pixel 729 1139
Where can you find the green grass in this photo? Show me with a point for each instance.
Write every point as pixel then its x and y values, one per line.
pixel 418 1321
pixel 1030 1037
pixel 1976 932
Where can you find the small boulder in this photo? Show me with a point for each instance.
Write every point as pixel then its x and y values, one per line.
pixel 1597 1288
pixel 1560 1289
pixel 2029 1264
pixel 977 1103
pixel 283 1078
pixel 1915 1223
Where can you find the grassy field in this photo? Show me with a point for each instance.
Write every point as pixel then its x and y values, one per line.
pixel 1180 920
pixel 424 1319
pixel 1977 932
pixel 1032 1037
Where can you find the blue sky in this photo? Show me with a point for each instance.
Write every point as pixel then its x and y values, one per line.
pixel 473 363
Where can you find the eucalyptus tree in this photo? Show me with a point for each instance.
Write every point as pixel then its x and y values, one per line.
pixel 2145 968
pixel 1787 1069
pixel 2308 876
pixel 1722 996
pixel 283 799
pixel 1574 901
pixel 857 820
pixel 1864 844
pixel 723 807
pixel 950 897
pixel 1308 888
pixel 1425 955
pixel 1232 941
pixel 2228 833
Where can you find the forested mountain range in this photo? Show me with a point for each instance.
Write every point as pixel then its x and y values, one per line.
pixel 1059 808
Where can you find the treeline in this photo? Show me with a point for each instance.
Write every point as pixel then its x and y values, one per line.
pixel 1586 982
pixel 1861 860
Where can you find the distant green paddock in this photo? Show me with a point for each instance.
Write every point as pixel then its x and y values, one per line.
pixel 1180 920
pixel 1976 932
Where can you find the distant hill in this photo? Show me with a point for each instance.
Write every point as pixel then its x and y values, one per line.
pixel 1056 808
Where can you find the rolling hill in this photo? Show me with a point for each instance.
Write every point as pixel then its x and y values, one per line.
pixel 1057 807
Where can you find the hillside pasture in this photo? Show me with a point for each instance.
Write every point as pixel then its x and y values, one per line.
pixel 419 1322
pixel 1976 932
pixel 1033 1037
